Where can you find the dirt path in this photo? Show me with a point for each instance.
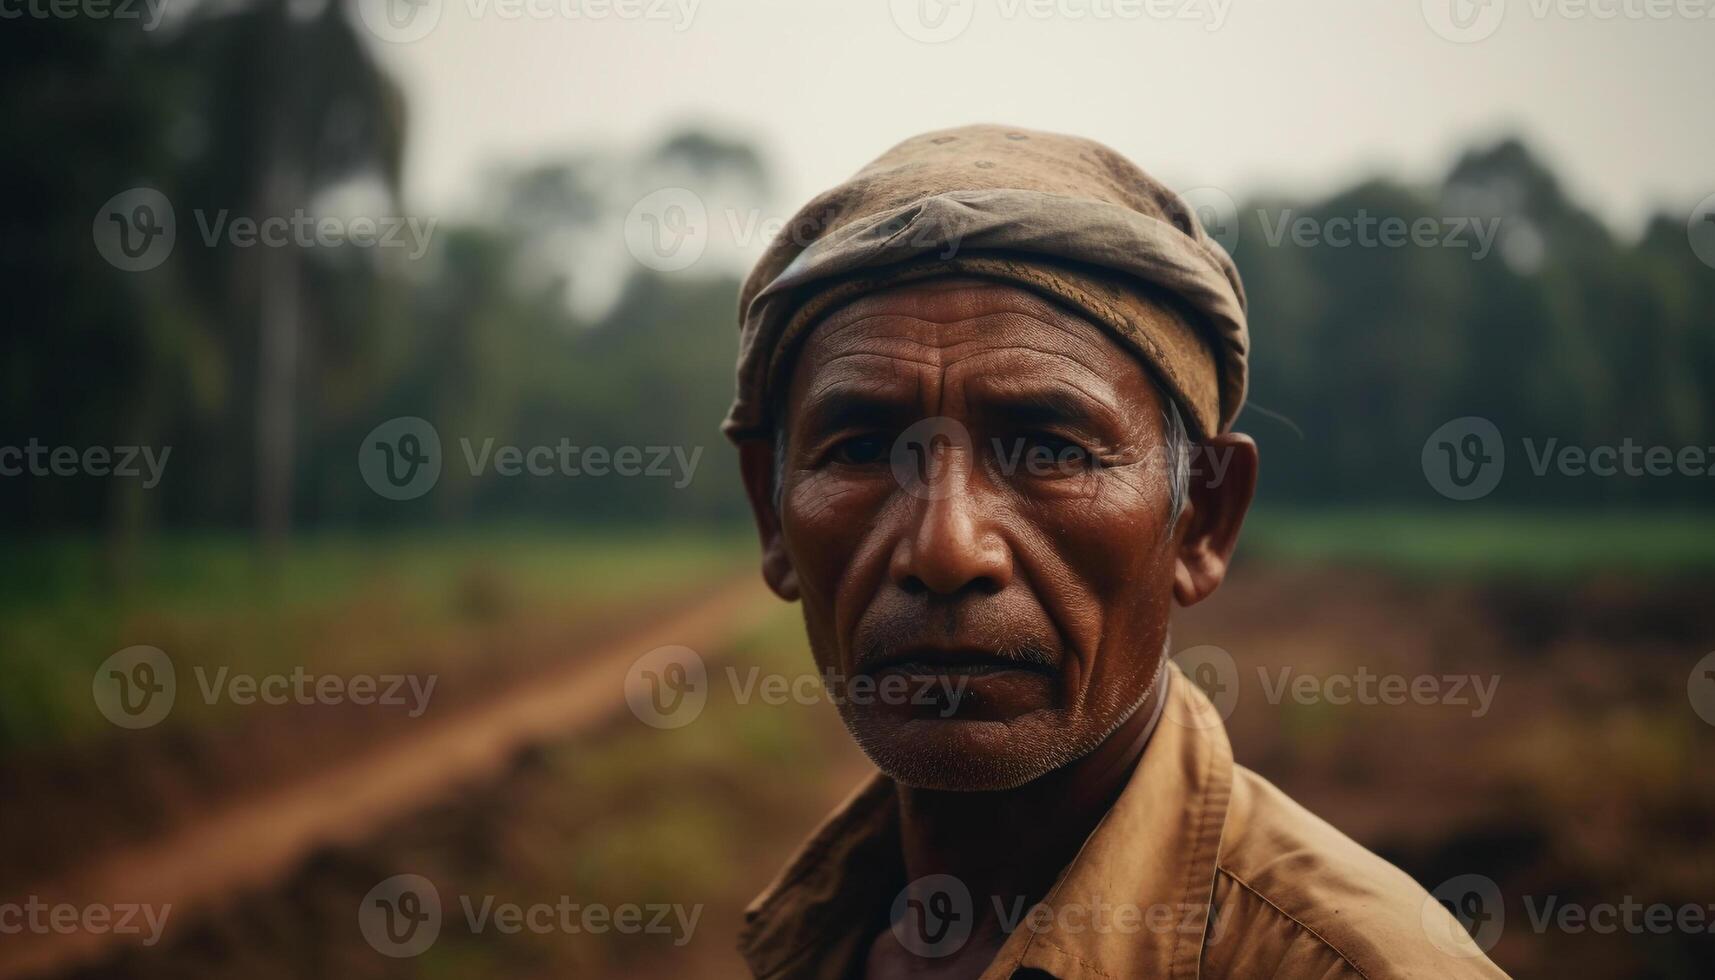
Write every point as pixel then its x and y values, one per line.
pixel 255 843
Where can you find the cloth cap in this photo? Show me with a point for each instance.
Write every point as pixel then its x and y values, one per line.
pixel 1064 217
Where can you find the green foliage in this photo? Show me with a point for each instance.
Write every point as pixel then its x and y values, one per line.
pixel 375 601
pixel 1486 542
pixel 503 334
pixel 1558 332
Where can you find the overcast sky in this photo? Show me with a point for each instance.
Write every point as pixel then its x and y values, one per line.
pixel 1299 95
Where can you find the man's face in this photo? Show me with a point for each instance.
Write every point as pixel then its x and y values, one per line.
pixel 1017 550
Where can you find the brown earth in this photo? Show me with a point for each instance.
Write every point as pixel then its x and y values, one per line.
pixel 254 841
pixel 1584 781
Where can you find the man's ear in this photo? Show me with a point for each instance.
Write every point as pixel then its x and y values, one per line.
pixel 756 459
pixel 1223 480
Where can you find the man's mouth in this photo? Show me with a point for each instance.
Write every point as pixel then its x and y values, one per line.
pixel 925 662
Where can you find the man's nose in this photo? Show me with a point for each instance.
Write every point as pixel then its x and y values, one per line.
pixel 953 542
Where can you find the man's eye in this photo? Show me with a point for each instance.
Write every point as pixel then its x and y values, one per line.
pixel 1046 454
pixel 860 450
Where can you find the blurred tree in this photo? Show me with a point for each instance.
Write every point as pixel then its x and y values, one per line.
pixel 293 105
pixel 243 109
pixel 532 323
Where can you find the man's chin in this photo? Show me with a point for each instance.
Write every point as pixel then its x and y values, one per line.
pixel 968 756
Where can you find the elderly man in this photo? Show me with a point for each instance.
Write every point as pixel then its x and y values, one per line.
pixel 971 384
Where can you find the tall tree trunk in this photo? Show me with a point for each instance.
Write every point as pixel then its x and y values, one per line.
pixel 277 371
pixel 277 292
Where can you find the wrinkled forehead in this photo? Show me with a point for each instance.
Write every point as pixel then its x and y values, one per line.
pixel 966 335
pixel 952 320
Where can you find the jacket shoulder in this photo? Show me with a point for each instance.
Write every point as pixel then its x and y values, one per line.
pixel 1297 896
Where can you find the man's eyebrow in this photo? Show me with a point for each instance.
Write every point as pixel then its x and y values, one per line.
pixel 1035 405
pixel 840 405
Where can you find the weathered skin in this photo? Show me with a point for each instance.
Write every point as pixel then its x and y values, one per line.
pixel 1067 568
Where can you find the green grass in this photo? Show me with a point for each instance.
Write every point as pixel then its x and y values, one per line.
pixel 335 602
pixel 60 615
pixel 187 572
pixel 1487 543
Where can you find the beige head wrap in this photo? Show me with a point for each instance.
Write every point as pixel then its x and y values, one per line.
pixel 1064 217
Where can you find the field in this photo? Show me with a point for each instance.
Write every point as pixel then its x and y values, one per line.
pixel 1581 779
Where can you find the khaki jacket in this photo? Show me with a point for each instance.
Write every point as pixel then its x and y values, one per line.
pixel 1201 869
